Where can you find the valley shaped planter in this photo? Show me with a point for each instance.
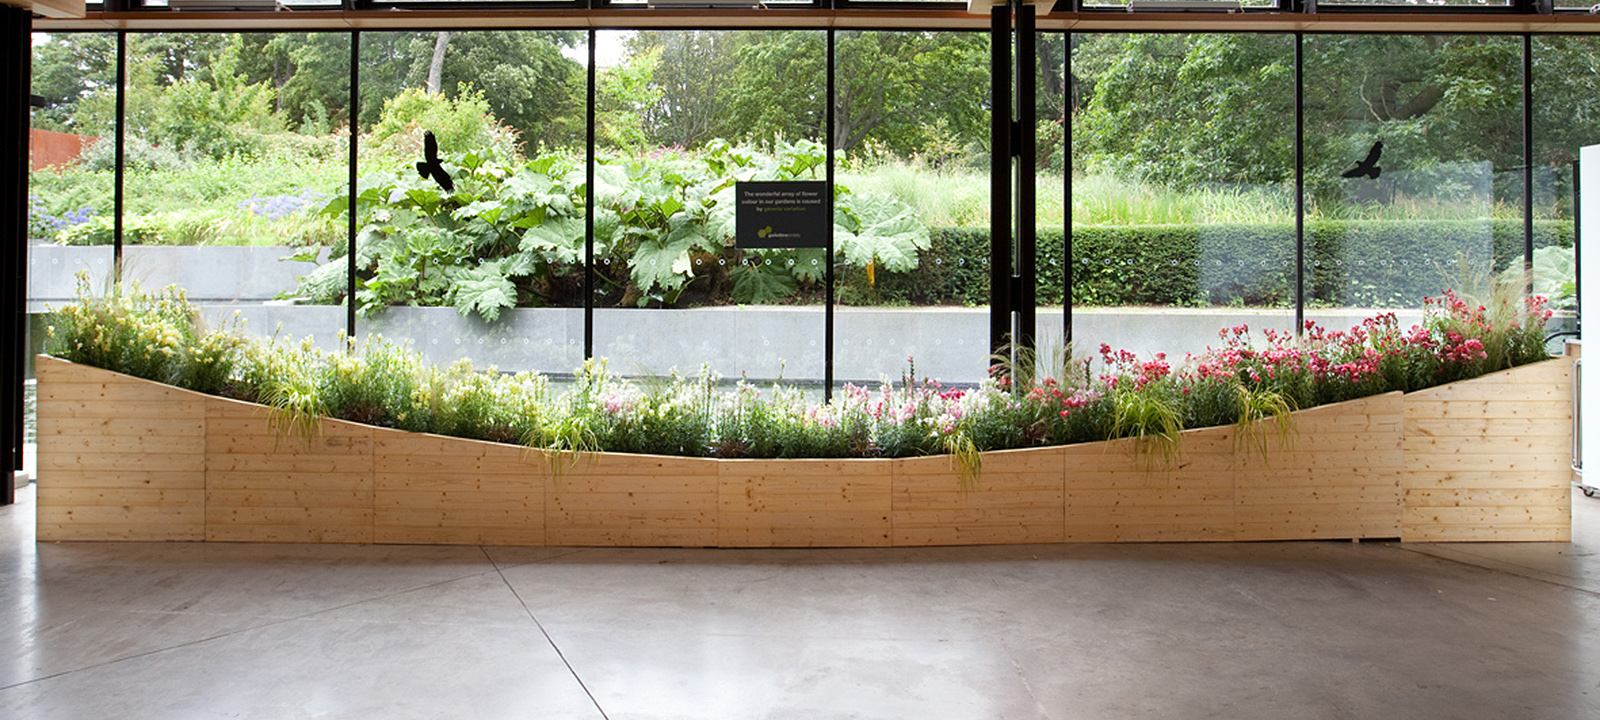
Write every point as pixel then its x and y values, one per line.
pixel 126 459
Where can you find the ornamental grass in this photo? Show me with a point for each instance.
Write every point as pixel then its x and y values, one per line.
pixel 1243 380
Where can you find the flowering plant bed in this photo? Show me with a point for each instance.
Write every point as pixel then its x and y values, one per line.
pixel 128 459
pixel 1087 452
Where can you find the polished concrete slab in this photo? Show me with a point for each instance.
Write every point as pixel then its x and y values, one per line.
pixel 1254 630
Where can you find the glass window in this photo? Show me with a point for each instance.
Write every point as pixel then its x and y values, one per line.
pixel 1182 189
pixel 683 118
pixel 1413 148
pixel 235 147
pixel 479 258
pixel 1565 119
pixel 1050 124
pixel 71 183
pixel 912 138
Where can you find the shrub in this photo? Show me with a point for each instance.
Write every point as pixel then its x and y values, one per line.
pixel 1359 263
pixel 153 336
pixel 461 124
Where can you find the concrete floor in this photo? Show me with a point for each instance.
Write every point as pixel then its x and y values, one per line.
pixel 1260 630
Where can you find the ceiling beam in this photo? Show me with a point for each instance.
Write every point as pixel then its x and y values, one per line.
pixel 955 19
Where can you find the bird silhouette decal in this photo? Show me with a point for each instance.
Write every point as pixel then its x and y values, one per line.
pixel 430 167
pixel 1369 166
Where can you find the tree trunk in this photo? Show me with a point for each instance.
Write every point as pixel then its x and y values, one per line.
pixel 436 68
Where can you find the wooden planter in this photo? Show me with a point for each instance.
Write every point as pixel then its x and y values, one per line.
pixel 127 459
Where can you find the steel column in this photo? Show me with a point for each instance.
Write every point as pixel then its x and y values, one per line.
pixel 16 47
pixel 121 156
pixel 353 191
pixel 1299 186
pixel 1024 282
pixel 1527 162
pixel 1000 178
pixel 827 261
pixel 1066 197
pixel 588 215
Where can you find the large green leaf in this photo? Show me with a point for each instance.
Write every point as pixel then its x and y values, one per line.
pixel 808 264
pixel 487 210
pixel 560 239
pixel 665 263
pixel 879 228
pixel 484 289
pixel 532 190
pixel 761 285
pixel 325 283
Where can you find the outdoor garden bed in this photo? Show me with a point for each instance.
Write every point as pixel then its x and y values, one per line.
pixel 127 459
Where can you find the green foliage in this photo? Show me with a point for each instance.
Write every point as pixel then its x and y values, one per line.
pixel 158 337
pixel 153 336
pixel 527 80
pixel 1185 110
pixel 879 230
pixel 461 124
pixel 1357 263
pixel 216 112
pixel 623 95
pixel 504 237
pixel 512 234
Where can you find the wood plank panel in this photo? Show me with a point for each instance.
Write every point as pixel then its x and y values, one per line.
pixel 126 472
pixel 1488 458
pixel 439 490
pixel 1557 532
pixel 1115 494
pixel 1337 524
pixel 306 490
pixel 632 501
pixel 804 503
pixel 1520 427
pixel 1335 475
pixel 1466 445
pixel 1155 529
pixel 1436 410
pixel 1486 462
pixel 1486 497
pixel 159 523
pixel 1018 498
pixel 110 427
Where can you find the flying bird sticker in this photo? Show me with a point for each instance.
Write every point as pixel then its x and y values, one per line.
pixel 430 167
pixel 1369 166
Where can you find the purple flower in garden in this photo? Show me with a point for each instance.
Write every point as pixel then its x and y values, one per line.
pixel 41 217
pixel 278 207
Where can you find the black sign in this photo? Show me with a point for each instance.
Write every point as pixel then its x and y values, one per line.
pixel 781 215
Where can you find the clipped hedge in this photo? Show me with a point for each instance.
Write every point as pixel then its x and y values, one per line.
pixel 1362 263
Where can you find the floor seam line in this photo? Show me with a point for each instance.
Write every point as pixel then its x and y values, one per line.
pixel 553 645
pixel 499 568
pixel 1547 581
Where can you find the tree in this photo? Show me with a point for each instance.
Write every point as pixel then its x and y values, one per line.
pixel 692 79
pixel 67 69
pixel 624 94
pixel 310 72
pixel 892 85
pixel 530 85
pixel 436 65
pixel 900 89
pixel 1218 108
pixel 1186 109
pixel 779 88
